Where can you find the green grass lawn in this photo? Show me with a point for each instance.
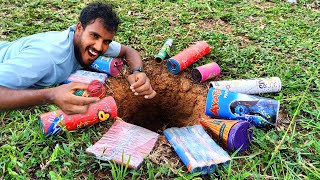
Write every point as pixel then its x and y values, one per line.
pixel 248 39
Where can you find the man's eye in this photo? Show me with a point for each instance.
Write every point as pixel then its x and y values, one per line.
pixel 95 36
pixel 107 41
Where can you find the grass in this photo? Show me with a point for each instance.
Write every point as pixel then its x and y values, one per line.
pixel 248 39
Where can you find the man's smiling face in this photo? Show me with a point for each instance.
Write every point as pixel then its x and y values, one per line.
pixel 91 42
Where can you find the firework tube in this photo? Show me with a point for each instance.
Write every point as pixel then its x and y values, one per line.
pixel 86 77
pixel 94 89
pixel 186 157
pixel 210 166
pixel 205 72
pixel 219 156
pixel 81 92
pixel 232 134
pixel 194 150
pixel 109 65
pixel 250 86
pixel 223 104
pixel 187 57
pixel 164 51
pixel 102 110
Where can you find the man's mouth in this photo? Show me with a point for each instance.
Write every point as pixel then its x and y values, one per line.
pixel 93 53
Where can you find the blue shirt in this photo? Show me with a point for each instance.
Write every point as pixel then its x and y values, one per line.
pixel 41 60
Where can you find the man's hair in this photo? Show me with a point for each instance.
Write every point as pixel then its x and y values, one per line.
pixel 100 10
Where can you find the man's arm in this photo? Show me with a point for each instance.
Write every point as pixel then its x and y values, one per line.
pixel 140 83
pixel 61 96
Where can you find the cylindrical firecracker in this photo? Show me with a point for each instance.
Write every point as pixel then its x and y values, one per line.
pixel 52 122
pixel 164 51
pixel 109 65
pixel 224 104
pixel 94 89
pixel 232 134
pixel 205 72
pixel 187 57
pixel 250 86
pixel 86 77
pixel 81 92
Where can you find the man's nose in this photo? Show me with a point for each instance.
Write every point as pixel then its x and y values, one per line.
pixel 99 45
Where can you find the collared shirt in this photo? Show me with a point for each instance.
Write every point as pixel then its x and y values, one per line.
pixel 41 60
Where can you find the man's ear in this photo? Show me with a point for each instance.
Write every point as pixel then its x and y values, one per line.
pixel 79 27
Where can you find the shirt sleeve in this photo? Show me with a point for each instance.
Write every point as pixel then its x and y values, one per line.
pixel 113 50
pixel 26 69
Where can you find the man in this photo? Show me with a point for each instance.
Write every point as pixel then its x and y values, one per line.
pixel 48 59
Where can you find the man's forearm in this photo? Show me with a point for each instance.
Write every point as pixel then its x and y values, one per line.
pixel 132 56
pixel 14 99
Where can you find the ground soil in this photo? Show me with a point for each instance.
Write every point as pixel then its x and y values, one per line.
pixel 179 100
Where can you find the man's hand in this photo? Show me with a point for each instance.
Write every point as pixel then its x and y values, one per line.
pixel 62 96
pixel 69 103
pixel 140 85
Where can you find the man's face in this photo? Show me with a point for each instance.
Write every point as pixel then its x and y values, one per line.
pixel 91 42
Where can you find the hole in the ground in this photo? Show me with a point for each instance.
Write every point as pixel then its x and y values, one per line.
pixel 179 101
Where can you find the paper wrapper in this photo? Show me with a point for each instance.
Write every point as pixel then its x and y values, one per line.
pixel 164 51
pixel 232 134
pixel 110 65
pixel 52 122
pixel 223 104
pixel 86 77
pixel 250 86
pixel 124 140
pixel 207 71
pixel 198 152
pixel 187 57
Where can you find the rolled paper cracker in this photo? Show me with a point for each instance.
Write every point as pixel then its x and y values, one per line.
pixel 102 110
pixel 205 72
pixel 164 51
pixel 232 134
pixel 196 149
pixel 224 104
pixel 96 89
pixel 187 57
pixel 249 86
pixel 109 65
pixel 86 77
pixel 80 92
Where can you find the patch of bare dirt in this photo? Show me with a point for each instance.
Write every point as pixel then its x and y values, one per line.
pixel 315 6
pixel 215 25
pixel 265 5
pixel 179 101
pixel 164 155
